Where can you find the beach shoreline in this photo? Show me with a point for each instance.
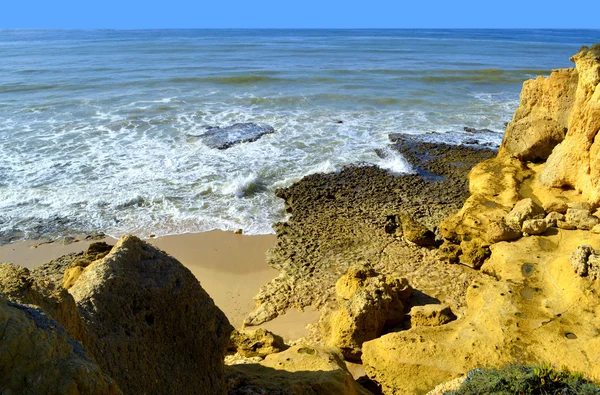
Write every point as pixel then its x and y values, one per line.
pixel 230 267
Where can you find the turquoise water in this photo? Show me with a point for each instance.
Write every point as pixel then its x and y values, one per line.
pixel 95 125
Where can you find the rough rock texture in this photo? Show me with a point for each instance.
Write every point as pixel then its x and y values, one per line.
pixel 553 218
pixel 344 218
pixel 153 329
pixel 495 188
pixel 301 370
pixel 586 262
pixel 257 343
pixel 576 161
pixel 94 252
pixel 529 308
pixel 540 122
pixel 368 303
pixel 37 356
pixel 581 219
pixel 525 209
pixel 431 315
pixel 227 137
pixel 19 285
pixel 534 226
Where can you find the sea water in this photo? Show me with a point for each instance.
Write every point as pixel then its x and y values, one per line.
pixel 97 126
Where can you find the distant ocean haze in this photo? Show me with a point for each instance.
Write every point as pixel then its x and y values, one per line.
pixel 98 128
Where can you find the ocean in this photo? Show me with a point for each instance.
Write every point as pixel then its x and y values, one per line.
pixel 99 129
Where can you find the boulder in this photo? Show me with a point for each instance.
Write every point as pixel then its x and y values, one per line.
pixel 575 162
pixel 38 356
pixel 534 226
pixel 581 219
pixel 498 231
pixel 521 311
pixel 368 303
pixel 257 343
pixel 431 315
pixel 20 286
pixel 553 218
pixel 565 225
pixel 414 231
pixel 525 209
pixel 540 122
pixel 223 138
pixel 152 327
pixel 300 370
pixel 558 206
pixel 586 262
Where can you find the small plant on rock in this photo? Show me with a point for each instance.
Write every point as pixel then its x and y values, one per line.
pixel 525 380
pixel 594 50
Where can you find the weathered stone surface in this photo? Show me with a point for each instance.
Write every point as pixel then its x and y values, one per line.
pixel 431 315
pixel 19 285
pixel 565 225
pixel 534 226
pixel 343 218
pixel 575 162
pixel 300 370
pixel 581 219
pixel 415 232
pixel 37 356
pixel 94 252
pixel 257 343
pixel 579 206
pixel 498 231
pixel 558 206
pixel 553 218
pixel 540 122
pixel 494 186
pixel 153 328
pixel 521 312
pixel 525 209
pixel 596 229
pixel 368 303
pixel 226 137
pixel 579 259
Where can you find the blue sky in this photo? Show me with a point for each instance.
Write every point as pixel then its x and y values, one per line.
pixel 135 14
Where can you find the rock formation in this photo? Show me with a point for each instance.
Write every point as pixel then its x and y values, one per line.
pixel 37 356
pixel 257 343
pixel 338 220
pixel 226 137
pixel 368 303
pixel 138 301
pixel 142 317
pixel 300 370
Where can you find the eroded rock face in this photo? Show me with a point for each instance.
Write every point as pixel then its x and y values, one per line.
pixel 152 327
pixel 300 370
pixel 341 219
pixel 368 303
pixel 257 343
pixel 37 356
pixel 540 122
pixel 19 285
pixel 523 317
pixel 575 162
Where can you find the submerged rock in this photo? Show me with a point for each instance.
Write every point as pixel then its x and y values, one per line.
pixel 226 137
pixel 152 327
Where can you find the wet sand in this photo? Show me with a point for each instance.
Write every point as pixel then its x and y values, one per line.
pixel 230 267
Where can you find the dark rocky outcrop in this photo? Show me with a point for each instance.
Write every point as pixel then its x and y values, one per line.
pixel 152 326
pixel 346 218
pixel 226 137
pixel 38 356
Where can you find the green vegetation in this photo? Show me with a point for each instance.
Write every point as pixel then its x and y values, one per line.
pixel 521 380
pixel 594 50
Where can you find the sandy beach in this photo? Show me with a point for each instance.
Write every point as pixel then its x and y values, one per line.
pixel 230 267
